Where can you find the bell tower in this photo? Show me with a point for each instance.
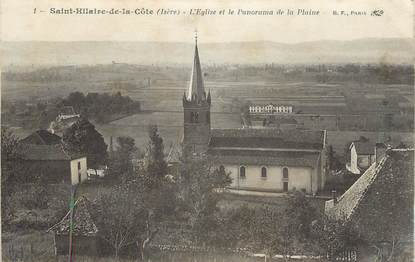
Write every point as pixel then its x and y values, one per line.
pixel 196 108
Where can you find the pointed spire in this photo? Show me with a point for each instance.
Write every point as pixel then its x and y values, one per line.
pixel 196 87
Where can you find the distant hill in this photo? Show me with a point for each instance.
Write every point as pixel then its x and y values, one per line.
pixel 368 50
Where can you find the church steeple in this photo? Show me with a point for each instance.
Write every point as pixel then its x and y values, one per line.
pixel 196 112
pixel 196 91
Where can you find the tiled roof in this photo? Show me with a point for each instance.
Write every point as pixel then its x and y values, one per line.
pixel 364 148
pixel 267 138
pixel 256 157
pixel 46 152
pixel 350 201
pixel 83 224
pixel 42 137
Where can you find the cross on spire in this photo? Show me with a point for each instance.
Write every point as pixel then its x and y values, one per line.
pixel 196 36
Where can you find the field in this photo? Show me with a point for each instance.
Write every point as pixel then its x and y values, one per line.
pixel 347 109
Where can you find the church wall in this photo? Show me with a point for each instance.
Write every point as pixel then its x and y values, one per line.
pixel 299 178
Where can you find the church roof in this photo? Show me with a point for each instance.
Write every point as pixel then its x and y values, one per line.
pixel 267 138
pixel 256 157
pixel 196 88
pixel 42 137
pixel 83 223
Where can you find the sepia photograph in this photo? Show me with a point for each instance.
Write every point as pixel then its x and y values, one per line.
pixel 207 131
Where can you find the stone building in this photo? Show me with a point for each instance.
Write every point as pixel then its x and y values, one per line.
pixel 258 159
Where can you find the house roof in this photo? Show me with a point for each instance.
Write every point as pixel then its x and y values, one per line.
pixel 364 147
pixel 370 182
pixel 83 223
pixel 42 137
pixel 255 157
pixel 46 152
pixel 266 138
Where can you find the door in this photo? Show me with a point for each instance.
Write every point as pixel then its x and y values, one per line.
pixel 285 186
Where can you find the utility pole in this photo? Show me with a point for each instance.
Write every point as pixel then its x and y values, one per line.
pixel 71 208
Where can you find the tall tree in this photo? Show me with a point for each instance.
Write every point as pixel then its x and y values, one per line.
pixel 83 138
pixel 155 169
pixel 120 164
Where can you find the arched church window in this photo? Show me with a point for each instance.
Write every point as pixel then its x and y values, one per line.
pixel 242 172
pixel 263 172
pixel 285 173
pixel 208 116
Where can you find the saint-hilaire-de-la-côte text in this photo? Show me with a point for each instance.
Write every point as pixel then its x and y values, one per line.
pixel 100 11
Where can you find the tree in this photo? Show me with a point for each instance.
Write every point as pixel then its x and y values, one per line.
pixel 199 183
pixel 155 168
pixel 83 138
pixel 300 214
pixel 131 214
pixel 120 164
pixel 333 236
pixel 119 212
pixel 11 155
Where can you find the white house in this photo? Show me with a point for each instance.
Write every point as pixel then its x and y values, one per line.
pixel 362 155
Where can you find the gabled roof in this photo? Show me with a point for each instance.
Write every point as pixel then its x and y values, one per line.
pixel 266 138
pixel 42 137
pixel 46 152
pixel 364 147
pixel 83 223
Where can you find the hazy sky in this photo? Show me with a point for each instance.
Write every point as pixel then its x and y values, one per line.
pixel 19 23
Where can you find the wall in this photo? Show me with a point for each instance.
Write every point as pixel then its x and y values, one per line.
pixel 364 161
pixel 299 178
pixel 75 171
pixel 82 245
pixel 353 158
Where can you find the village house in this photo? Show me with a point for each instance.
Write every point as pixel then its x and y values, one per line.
pixel 379 205
pixel 44 158
pixel 362 155
pixel 258 159
pixel 66 118
pixel 85 238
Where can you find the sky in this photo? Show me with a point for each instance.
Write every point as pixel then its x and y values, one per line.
pixel 20 21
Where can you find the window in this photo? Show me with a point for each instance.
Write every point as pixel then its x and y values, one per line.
pixel 221 169
pixel 79 165
pixel 263 172
pixel 208 117
pixel 285 173
pixel 192 117
pixel 196 117
pixel 242 172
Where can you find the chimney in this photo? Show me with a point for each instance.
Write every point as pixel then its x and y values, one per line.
pixel 334 196
pixel 380 151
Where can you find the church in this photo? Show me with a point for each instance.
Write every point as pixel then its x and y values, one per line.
pixel 261 159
